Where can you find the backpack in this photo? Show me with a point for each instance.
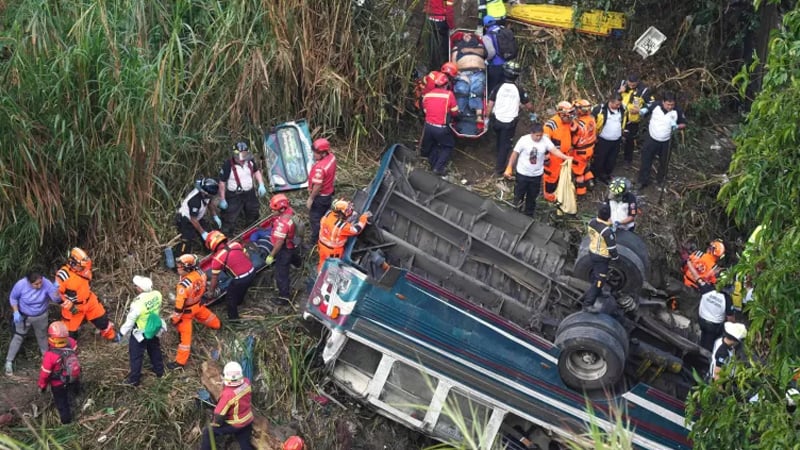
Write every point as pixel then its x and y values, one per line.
pixel 152 326
pixel 70 367
pixel 506 46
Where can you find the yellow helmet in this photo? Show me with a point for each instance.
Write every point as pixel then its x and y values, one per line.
pixel 78 258
pixel 344 207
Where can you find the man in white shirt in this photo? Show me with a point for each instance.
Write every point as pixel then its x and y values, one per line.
pixel 528 161
pixel 610 119
pixel 664 119
pixel 504 104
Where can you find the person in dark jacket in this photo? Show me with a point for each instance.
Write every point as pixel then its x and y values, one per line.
pixel 602 250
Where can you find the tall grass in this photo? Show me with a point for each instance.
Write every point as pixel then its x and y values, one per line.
pixel 110 108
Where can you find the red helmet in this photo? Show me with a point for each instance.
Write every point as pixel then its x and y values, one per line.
pixel 440 79
pixel 278 202
pixel 294 443
pixel 57 334
pixel 321 145
pixel 450 69
pixel 215 238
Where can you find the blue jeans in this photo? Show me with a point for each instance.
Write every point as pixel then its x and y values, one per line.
pixel 469 92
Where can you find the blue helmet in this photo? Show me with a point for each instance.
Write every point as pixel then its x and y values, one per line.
pixel 489 21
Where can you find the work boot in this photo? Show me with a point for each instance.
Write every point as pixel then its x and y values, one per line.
pixel 9 368
pixel 128 382
pixel 172 365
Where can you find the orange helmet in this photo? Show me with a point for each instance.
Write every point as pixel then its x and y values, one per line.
pixel 78 258
pixel 278 202
pixel 565 110
pixel 717 248
pixel 215 238
pixel 294 443
pixel 583 106
pixel 344 207
pixel 450 69
pixel 57 334
pixel 440 79
pixel 321 145
pixel 187 261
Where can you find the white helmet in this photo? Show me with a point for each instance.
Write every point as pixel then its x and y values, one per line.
pixel 736 330
pixel 232 374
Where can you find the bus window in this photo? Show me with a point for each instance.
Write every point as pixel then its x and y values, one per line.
pixel 517 433
pixel 356 365
pixel 409 390
pixel 462 418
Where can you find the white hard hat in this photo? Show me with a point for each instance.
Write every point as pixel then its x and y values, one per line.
pixel 736 330
pixel 143 283
pixel 232 374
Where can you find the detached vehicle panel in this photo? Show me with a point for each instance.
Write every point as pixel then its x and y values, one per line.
pixel 457 317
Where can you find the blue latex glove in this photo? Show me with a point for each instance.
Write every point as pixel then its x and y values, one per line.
pixel 17 317
pixel 270 260
pixel 204 235
pixel 223 204
pixel 616 225
pixel 643 111
pixel 674 126
pixel 262 190
pixel 117 339
pixel 533 117
pixel 217 221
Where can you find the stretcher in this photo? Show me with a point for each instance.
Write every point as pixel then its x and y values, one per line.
pixel 594 21
pixel 288 155
pixel 257 244
pixel 466 124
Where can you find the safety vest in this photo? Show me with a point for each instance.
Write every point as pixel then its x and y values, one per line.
pixel 494 8
pixel 637 97
pixel 602 114
pixel 585 134
pixel 147 303
pixel 74 286
pixel 602 240
pixel 190 290
pixel 705 264
pixel 334 231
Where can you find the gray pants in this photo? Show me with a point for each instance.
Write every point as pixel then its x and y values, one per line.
pixel 39 324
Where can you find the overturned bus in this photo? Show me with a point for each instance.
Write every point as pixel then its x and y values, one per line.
pixel 461 319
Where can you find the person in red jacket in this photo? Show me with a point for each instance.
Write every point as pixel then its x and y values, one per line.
pixel 51 370
pixel 441 18
pixel 232 258
pixel 437 138
pixel 233 414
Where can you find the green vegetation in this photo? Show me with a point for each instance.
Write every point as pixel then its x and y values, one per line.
pixel 764 189
pixel 109 109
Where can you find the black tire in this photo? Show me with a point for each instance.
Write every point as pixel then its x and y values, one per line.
pixel 635 242
pixel 600 321
pixel 626 274
pixel 591 358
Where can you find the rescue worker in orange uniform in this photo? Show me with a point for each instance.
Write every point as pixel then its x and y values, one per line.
pixel 336 229
pixel 701 267
pixel 188 306
pixel 283 253
pixel 558 129
pixel 584 135
pixel 232 258
pixel 77 299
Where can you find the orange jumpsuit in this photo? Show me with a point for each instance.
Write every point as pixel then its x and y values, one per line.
pixel 584 135
pixel 706 266
pixel 333 234
pixel 558 132
pixel 74 287
pixel 187 308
